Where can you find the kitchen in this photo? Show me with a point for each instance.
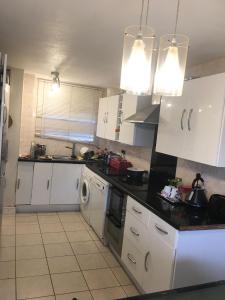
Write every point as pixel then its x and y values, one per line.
pixel 112 164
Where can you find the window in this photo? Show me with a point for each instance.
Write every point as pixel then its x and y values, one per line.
pixel 70 114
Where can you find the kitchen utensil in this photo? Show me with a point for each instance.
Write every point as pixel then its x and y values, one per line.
pixel 197 197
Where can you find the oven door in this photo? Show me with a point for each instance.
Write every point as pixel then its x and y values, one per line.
pixel 115 219
pixel 116 206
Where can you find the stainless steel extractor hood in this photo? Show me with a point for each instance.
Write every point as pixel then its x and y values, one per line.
pixel 148 115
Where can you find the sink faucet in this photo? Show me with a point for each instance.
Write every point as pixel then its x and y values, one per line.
pixel 73 148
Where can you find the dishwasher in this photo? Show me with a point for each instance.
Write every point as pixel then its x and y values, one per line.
pixel 99 189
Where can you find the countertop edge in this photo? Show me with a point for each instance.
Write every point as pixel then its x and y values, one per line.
pixel 59 161
pixel 154 210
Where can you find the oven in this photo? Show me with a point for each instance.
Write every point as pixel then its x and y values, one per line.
pixel 115 219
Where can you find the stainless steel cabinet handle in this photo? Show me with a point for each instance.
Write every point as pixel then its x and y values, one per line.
pixel 78 181
pixel 161 230
pixel 121 117
pixel 146 260
pixel 130 257
pixel 107 115
pixel 48 182
pixel 189 119
pixel 18 183
pixel 181 119
pixel 4 114
pixel 104 119
pixel 136 211
pixel 132 230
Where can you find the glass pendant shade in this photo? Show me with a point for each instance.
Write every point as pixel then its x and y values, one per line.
pixel 170 70
pixel 136 77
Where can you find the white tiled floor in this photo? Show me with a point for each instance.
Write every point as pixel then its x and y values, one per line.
pixel 57 256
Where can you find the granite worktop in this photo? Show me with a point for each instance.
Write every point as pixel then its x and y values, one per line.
pixel 209 291
pixel 59 159
pixel 181 216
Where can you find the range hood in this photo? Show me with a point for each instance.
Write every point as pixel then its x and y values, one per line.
pixel 148 115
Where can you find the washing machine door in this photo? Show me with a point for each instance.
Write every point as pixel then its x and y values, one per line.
pixel 85 192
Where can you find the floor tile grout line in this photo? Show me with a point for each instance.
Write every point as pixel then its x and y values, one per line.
pixel 47 261
pixel 94 240
pixel 15 262
pixel 78 262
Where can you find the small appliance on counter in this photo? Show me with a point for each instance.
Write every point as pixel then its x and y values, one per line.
pixel 197 197
pixel 172 191
pixel 216 207
pixel 37 150
pixel 137 176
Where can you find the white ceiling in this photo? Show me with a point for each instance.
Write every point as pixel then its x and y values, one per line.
pixel 83 39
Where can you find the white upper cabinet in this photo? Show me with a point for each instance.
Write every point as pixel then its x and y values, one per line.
pixel 192 126
pixel 102 111
pixel 108 118
pixel 111 120
pixel 65 183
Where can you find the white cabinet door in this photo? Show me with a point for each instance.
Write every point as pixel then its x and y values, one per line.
pixel 102 117
pixel 205 116
pixel 65 183
pixel 172 128
pixel 194 122
pixel 133 259
pixel 127 130
pixel 41 183
pixel 112 121
pixel 24 183
pixel 158 265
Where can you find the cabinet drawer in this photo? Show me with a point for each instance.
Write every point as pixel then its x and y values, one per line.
pixel 136 232
pixel 162 230
pixel 138 210
pixel 133 259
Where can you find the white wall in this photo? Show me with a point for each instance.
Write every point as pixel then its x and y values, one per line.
pixel 16 89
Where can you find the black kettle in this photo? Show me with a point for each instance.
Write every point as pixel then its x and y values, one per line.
pixel 197 197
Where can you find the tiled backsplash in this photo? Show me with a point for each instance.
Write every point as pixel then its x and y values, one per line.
pixel 139 156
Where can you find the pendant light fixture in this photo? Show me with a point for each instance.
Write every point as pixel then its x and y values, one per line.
pixel 137 57
pixel 172 57
pixel 55 82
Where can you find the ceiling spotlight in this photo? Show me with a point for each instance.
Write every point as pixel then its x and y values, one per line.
pixel 55 81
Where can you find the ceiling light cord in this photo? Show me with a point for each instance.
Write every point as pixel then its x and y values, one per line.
pixel 177 15
pixel 147 11
pixel 141 15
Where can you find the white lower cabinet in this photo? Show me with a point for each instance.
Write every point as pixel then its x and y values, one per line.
pixel 158 266
pixel 133 259
pixel 41 184
pixel 146 255
pixel 65 184
pixel 159 257
pixel 44 183
pixel 24 183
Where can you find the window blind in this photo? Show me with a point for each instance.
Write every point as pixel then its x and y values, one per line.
pixel 69 114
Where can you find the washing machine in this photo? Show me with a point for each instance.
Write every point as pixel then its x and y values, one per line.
pixel 85 204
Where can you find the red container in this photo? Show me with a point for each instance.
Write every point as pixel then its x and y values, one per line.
pixel 119 163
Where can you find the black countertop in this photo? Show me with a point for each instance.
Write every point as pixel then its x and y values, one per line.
pixel 210 291
pixel 55 160
pixel 180 216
